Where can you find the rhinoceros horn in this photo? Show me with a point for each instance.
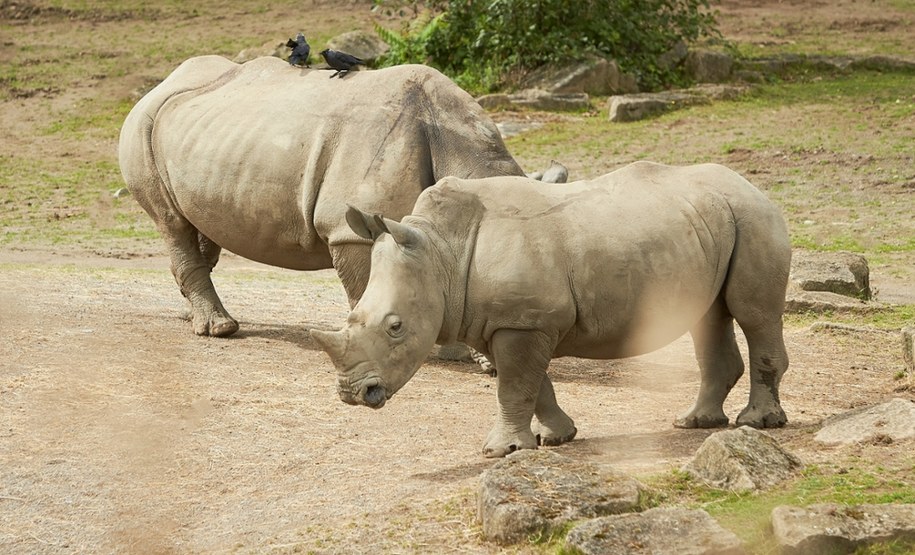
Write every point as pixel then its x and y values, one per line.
pixel 332 342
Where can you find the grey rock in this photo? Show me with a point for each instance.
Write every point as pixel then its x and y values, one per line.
pixel 742 459
pixel 821 302
pixel 887 422
pixel 708 66
pixel 882 63
pixel 661 531
pixel 594 76
pixel 533 493
pixel 749 76
pixel 843 273
pixel 275 48
pixel 361 44
pixel 829 529
pixel 537 99
pixel 718 91
pixel 628 84
pixel 673 57
pixel 497 101
pixel 634 107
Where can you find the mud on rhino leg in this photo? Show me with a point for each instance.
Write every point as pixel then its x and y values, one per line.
pixel 193 257
pixel 552 426
pixel 352 262
pixel 720 366
pixel 522 358
pixel 768 363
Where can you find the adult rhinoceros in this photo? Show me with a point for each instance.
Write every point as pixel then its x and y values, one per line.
pixel 608 268
pixel 262 158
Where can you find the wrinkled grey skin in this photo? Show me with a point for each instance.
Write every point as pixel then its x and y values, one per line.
pixel 261 159
pixel 609 268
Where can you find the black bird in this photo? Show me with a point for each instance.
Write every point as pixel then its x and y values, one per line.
pixel 300 50
pixel 341 61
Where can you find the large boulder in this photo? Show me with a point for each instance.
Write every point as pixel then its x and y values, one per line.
pixel 532 493
pixel 842 273
pixel 662 531
pixel 536 99
pixel 829 529
pixel 887 422
pixel 361 44
pixel 594 76
pixel 708 66
pixel 742 459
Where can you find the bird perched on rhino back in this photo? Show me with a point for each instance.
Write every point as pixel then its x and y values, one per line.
pixel 300 50
pixel 340 61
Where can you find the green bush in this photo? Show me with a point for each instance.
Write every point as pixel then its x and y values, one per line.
pixel 490 43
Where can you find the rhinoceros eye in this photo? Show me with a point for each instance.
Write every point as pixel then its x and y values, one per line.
pixel 394 326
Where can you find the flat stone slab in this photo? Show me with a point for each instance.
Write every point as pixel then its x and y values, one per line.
pixel 532 493
pixel 634 107
pixel 743 459
pixel 843 273
pixel 830 529
pixel 892 421
pixel 660 531
pixel 821 302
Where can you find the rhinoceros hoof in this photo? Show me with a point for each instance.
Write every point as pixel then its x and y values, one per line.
pixel 693 420
pixel 757 418
pixel 218 327
pixel 499 447
pixel 548 439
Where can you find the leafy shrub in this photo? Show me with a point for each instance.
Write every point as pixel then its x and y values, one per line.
pixel 482 44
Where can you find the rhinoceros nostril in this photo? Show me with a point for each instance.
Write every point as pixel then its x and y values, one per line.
pixel 375 396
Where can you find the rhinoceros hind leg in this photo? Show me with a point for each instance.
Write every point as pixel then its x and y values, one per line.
pixel 193 257
pixel 768 363
pixel 720 366
pixel 522 358
pixel 551 426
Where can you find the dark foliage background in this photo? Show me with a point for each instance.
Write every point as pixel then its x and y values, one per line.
pixel 487 44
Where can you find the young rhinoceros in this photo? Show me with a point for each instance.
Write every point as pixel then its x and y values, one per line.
pixel 610 268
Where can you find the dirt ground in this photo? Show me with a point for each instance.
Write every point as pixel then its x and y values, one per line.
pixel 122 431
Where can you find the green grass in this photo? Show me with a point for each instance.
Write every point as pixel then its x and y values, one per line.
pixel 748 514
pixel 890 318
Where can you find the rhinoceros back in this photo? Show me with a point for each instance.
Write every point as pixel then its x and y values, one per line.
pixel 263 158
pixel 616 266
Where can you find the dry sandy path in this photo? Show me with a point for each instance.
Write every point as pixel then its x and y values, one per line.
pixel 122 431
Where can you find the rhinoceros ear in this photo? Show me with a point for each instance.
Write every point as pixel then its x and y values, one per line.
pixel 362 224
pixel 403 234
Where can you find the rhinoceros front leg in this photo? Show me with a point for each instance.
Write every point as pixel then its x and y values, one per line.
pixel 352 262
pixel 552 425
pixel 720 366
pixel 522 358
pixel 193 257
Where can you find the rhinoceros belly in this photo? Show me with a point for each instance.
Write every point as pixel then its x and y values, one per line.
pixel 653 282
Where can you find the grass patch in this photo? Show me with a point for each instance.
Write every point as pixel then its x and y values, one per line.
pixel 891 318
pixel 748 514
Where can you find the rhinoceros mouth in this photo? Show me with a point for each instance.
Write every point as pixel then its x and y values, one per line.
pixel 368 390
